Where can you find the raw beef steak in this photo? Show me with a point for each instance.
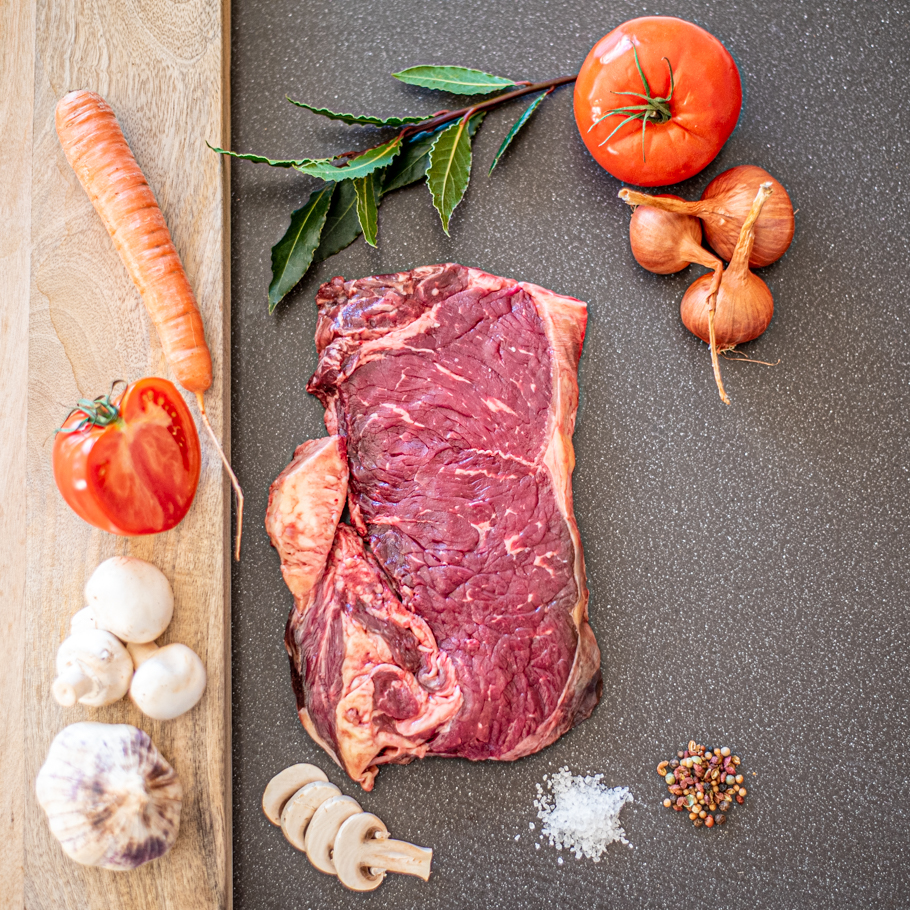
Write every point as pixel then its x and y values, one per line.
pixel 451 617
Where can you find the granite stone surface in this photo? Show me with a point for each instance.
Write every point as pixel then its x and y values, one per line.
pixel 748 565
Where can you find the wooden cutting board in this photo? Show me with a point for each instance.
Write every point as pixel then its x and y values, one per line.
pixel 72 322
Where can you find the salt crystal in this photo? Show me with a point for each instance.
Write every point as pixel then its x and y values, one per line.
pixel 581 813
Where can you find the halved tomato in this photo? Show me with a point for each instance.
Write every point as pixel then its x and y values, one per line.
pixel 656 99
pixel 129 465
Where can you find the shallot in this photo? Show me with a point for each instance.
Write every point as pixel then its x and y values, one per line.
pixel 664 242
pixel 743 306
pixel 723 209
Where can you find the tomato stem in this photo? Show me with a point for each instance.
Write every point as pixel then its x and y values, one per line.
pixel 99 412
pixel 655 109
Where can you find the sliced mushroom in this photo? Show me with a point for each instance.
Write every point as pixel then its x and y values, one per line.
pixel 363 853
pixel 168 681
pixel 300 809
pixel 93 668
pixel 284 785
pixel 319 839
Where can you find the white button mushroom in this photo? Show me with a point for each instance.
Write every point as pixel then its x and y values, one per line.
pixel 130 598
pixel 111 799
pixel 93 668
pixel 168 681
pixel 83 620
pixel 363 853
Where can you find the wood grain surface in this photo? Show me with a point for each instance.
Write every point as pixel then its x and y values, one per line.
pixel 163 66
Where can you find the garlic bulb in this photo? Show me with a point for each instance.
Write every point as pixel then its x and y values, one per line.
pixel 111 799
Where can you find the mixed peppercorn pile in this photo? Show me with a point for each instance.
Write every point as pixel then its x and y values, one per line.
pixel 704 783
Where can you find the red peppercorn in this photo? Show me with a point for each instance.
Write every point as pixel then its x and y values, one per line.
pixel 709 822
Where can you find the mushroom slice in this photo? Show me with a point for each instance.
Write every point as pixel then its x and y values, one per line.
pixel 300 809
pixel 364 853
pixel 320 833
pixel 284 785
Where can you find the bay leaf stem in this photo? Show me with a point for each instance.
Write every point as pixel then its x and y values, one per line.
pixel 444 117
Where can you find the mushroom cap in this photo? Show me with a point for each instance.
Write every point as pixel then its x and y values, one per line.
pixel 348 853
pixel 284 785
pixel 168 683
pixel 110 798
pixel 130 598
pixel 319 839
pixel 83 620
pixel 97 656
pixel 300 809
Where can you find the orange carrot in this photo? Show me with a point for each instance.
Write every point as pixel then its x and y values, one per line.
pixel 98 152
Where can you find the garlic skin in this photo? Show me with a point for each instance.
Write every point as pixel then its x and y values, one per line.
pixel 111 799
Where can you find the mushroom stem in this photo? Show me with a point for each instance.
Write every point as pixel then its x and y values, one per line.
pixel 141 652
pixel 382 854
pixel 71 685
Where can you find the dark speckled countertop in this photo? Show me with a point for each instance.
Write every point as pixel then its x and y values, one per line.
pixel 747 565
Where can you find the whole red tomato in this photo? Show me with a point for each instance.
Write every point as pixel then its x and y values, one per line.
pixel 129 465
pixel 656 99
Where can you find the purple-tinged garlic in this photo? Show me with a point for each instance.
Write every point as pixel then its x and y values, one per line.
pixel 93 668
pixel 110 798
pixel 130 598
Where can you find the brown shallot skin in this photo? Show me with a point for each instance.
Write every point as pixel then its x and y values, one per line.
pixel 725 203
pixel 744 304
pixel 723 209
pixel 665 242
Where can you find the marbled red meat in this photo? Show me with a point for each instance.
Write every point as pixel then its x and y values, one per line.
pixel 451 618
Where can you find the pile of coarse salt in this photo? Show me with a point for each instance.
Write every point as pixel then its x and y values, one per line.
pixel 581 814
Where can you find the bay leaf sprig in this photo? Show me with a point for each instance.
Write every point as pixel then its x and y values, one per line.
pixel 436 148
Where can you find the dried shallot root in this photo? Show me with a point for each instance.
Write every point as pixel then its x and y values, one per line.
pixel 703 782
pixel 666 242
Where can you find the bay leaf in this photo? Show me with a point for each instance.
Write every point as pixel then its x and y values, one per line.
pixel 450 169
pixel 519 123
pixel 359 119
pixel 360 166
pixel 261 159
pixel 342 226
pixel 367 192
pixel 411 165
pixel 293 254
pixel 458 80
